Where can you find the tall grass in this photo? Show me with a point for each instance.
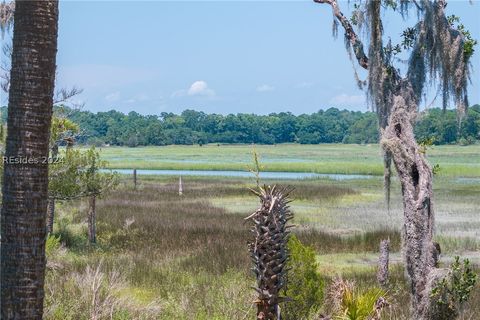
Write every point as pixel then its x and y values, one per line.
pixel 326 158
pixel 185 258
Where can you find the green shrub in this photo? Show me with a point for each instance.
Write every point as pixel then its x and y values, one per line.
pixel 454 290
pixel 360 305
pixel 52 244
pixel 71 235
pixel 304 284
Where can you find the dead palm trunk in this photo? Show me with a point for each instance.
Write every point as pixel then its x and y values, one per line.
pixel 383 260
pixel 25 186
pixel 269 249
pixel 92 216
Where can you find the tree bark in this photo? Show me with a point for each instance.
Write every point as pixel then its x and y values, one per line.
pixel 135 179
pixel 383 261
pixel 92 235
pixel 415 177
pixel 25 185
pixel 50 214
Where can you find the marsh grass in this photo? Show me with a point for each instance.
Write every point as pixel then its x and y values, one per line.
pixel 325 242
pixel 454 161
pixel 185 257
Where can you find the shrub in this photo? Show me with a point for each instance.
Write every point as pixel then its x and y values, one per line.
pixel 304 284
pixel 348 302
pixel 52 244
pixel 360 305
pixel 453 290
pixel 71 235
pixel 466 141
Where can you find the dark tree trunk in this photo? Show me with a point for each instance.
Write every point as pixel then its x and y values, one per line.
pixel 135 179
pixel 92 234
pixel 269 250
pixel 51 200
pixel 25 186
pixel 50 214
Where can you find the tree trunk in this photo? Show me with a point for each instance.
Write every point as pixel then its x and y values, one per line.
pixel 135 179
pixel 269 250
pixel 416 181
pixel 92 235
pixel 51 200
pixel 50 214
pixel 25 185
pixel 383 260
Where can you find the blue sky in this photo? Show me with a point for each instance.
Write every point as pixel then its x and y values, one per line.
pixel 222 57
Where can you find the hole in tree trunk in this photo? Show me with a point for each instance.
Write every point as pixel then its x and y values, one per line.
pixel 415 175
pixel 398 130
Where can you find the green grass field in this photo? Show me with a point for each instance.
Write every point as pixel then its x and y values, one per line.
pixel 458 161
pixel 164 256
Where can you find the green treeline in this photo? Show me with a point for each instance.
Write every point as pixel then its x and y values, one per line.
pixel 324 126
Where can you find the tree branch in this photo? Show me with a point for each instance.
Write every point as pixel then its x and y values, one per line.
pixel 350 34
pixel 63 95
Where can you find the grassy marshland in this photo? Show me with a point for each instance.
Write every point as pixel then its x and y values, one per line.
pixel 455 161
pixel 162 256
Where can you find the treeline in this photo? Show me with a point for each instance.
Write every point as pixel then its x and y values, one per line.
pixel 325 126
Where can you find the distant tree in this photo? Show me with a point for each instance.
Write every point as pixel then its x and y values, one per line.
pixel 192 127
pixel 436 49
pixel 94 184
pixel 25 185
pixel 62 131
pixel 365 130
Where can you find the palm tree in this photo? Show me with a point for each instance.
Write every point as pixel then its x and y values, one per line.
pixel 25 180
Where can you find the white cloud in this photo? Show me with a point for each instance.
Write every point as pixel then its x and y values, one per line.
pixel 112 97
pixel 265 88
pixel 348 100
pixel 200 88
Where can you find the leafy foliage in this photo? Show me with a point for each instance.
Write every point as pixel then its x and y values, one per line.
pixel 304 284
pixel 454 289
pixel 52 244
pixel 360 305
pixel 93 180
pixel 62 129
pixel 192 127
pixel 78 175
pixel 470 42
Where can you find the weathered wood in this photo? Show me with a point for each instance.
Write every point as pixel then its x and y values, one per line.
pixel 415 177
pixel 180 187
pixel 437 54
pixel 383 260
pixel 92 217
